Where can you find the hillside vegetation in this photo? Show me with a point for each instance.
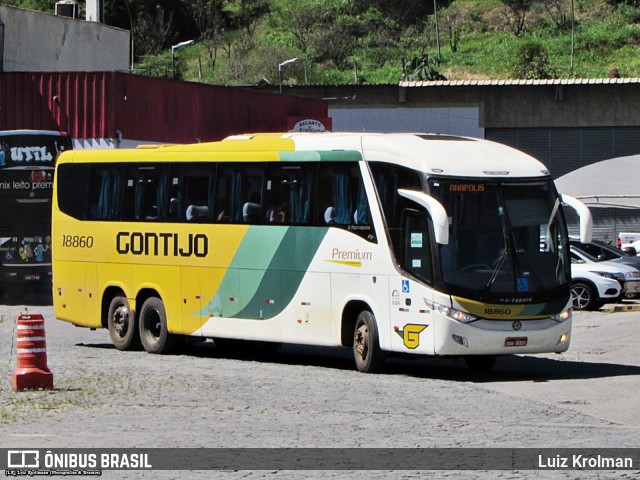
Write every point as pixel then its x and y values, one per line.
pixel 378 41
pixel 478 39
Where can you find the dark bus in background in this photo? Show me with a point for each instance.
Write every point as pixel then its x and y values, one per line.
pixel 27 162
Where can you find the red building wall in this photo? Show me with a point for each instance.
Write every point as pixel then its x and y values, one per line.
pixel 101 104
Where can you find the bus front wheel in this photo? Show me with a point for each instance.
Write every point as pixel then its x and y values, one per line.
pixel 122 325
pixel 154 333
pixel 366 347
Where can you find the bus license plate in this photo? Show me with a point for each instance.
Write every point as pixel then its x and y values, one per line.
pixel 515 342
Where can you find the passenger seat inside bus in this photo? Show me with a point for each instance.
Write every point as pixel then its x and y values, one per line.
pixel 330 215
pixel 251 212
pixel 197 212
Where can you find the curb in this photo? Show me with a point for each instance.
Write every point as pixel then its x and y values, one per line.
pixel 622 308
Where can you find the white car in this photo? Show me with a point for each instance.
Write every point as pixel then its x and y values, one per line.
pixel 596 283
pixel 631 273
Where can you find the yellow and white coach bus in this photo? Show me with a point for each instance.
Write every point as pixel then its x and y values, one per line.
pixel 387 243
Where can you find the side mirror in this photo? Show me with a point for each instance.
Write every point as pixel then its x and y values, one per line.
pixel 586 220
pixel 435 209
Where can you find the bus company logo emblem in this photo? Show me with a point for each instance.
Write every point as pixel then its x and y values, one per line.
pixel 410 335
pixel 23 459
pixel 516 325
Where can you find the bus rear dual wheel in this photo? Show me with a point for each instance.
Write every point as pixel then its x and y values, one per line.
pixel 150 330
pixel 121 323
pixel 152 324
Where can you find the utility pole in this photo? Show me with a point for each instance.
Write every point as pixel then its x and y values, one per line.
pixel 573 27
pixel 435 13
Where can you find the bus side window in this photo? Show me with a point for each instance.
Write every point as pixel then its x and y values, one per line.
pixel 145 196
pixel 239 193
pixel 71 199
pixel 288 190
pixel 342 200
pixel 337 194
pixel 416 245
pixel 105 192
pixel 190 193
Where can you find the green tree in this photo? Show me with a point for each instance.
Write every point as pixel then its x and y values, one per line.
pixel 532 62
pixel 421 68
pixel 39 5
pixel 455 20
pixel 153 31
pixel 212 19
pixel 300 18
pixel 518 10
pixel 247 15
pixel 336 38
pixel 559 11
pixel 403 12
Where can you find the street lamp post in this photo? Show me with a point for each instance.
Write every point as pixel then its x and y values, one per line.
pixel 280 65
pixel 173 50
pixel 126 4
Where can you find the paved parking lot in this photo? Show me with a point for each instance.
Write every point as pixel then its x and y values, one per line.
pixel 314 397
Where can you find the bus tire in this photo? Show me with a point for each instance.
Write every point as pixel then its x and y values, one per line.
pixel 366 347
pixel 154 334
pixel 122 324
pixel 480 363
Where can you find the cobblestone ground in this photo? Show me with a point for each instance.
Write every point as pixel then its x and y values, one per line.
pixel 314 397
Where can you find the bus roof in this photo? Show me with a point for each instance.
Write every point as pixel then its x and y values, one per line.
pixel 4 133
pixel 434 154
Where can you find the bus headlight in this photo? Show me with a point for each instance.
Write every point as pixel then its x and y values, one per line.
pixel 563 315
pixel 452 313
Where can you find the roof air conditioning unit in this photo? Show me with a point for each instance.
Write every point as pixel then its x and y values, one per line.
pixel 68 9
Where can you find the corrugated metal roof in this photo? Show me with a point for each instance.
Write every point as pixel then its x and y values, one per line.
pixel 520 82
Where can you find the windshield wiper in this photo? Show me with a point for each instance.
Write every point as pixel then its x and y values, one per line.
pixel 508 242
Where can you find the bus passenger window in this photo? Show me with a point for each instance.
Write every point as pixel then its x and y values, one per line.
pixel 288 193
pixel 105 193
pixel 237 186
pixel 72 200
pixel 190 191
pixel 342 200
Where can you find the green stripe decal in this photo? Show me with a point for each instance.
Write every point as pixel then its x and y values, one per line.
pixel 266 272
pixel 321 156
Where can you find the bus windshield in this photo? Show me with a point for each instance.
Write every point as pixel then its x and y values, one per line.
pixel 504 239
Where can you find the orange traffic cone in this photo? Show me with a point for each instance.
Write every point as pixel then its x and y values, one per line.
pixel 31 371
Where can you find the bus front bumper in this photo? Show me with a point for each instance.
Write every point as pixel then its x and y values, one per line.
pixel 503 337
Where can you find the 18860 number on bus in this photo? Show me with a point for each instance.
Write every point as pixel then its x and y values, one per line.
pixel 77 241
